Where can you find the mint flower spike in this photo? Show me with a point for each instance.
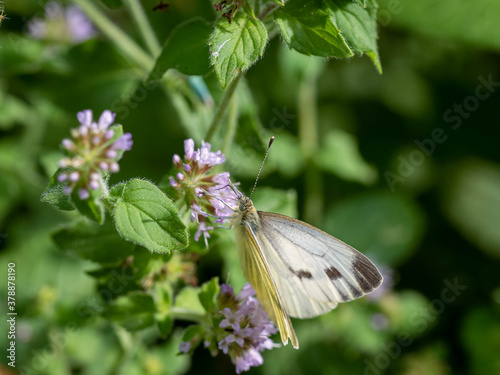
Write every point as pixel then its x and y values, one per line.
pixel 62 24
pixel 247 328
pixel 92 153
pixel 206 194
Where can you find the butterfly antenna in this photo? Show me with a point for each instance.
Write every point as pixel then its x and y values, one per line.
pixel 262 165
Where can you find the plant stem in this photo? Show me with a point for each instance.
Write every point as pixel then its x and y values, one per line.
pixel 147 33
pixel 308 136
pixel 221 109
pixel 128 46
pixel 232 123
pixel 129 343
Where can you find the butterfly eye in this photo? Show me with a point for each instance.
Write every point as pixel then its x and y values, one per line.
pixel 242 206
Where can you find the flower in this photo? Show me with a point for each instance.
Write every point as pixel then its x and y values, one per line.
pixel 62 24
pixel 206 194
pixel 246 328
pixel 242 331
pixel 93 152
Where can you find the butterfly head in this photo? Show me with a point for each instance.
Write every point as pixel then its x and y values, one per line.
pixel 246 203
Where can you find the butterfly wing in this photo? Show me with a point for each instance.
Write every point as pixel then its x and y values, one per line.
pixel 312 271
pixel 257 271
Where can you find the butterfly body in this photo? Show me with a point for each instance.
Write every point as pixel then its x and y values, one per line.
pixel 296 269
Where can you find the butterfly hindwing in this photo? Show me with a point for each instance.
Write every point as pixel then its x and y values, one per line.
pixel 312 270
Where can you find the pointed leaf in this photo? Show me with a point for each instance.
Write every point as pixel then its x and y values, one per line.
pixel 54 193
pixel 235 46
pixel 145 215
pixel 208 294
pixel 308 28
pixel 358 26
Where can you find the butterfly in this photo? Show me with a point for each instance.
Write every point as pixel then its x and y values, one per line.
pixel 296 269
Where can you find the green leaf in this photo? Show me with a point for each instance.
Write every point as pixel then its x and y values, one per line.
pixel 88 240
pixel 339 154
pixel 307 27
pixel 208 294
pixel 133 312
pixel 235 46
pixel 361 2
pixel 358 26
pixel 185 50
pixel 471 200
pixel 391 225
pixel 54 194
pixel 144 215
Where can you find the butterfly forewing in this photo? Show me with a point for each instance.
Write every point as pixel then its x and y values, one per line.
pixel 312 270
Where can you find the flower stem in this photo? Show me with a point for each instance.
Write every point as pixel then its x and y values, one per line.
pixel 221 109
pixel 308 136
pixel 128 46
pixel 147 33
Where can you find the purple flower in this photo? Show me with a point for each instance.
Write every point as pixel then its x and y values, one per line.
pixel 92 153
pixel 184 347
pixel 245 328
pixel 208 195
pixel 67 25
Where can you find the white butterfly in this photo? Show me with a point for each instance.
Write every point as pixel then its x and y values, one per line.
pixel 296 269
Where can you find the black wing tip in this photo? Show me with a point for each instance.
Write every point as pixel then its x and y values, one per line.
pixel 368 276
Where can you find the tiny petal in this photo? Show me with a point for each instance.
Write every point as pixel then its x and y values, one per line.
pixel 94 185
pixel 104 166
pixel 67 189
pixel 74 176
pixel 62 177
pixel 184 347
pixel 85 117
pixel 63 163
pixel 187 167
pixel 111 154
pixel 124 142
pixel 109 134
pixel 96 140
pixel 83 194
pixel 106 119
pixel 68 144
pixel 189 148
pixel 176 160
pixel 114 167
pixel 180 176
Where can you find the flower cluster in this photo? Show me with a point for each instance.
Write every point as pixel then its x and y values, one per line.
pixel 93 152
pixel 62 24
pixel 244 329
pixel 247 329
pixel 206 194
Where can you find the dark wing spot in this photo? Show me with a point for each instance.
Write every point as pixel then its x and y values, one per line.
pixel 333 273
pixel 367 274
pixel 301 274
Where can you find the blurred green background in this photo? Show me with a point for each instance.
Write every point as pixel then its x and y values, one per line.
pixel 404 166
